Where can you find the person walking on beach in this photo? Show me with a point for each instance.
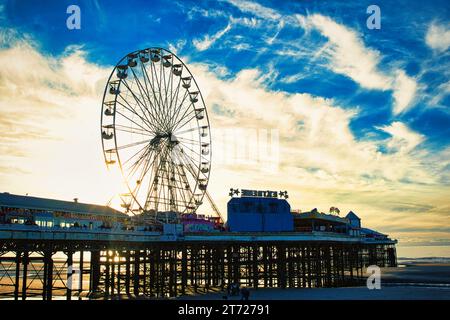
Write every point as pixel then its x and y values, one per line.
pixel 245 293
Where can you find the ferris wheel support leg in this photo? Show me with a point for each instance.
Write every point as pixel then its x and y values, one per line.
pixel 214 207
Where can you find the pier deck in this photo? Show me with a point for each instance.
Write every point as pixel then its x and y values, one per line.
pixel 35 262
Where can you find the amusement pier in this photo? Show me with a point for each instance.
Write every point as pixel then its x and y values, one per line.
pixel 67 249
pixel 155 129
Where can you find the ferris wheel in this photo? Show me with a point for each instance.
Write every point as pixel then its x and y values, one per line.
pixel 155 127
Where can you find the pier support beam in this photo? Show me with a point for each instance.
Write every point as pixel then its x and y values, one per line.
pixel 170 269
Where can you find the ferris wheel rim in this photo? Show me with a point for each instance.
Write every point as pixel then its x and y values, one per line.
pixel 191 105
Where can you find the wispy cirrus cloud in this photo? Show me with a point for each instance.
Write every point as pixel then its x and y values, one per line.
pixel 256 9
pixel 403 138
pixel 404 91
pixel 208 40
pixel 346 53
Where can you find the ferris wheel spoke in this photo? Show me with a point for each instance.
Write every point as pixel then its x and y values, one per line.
pixel 133 144
pixel 193 168
pixel 188 111
pixel 135 166
pixel 166 90
pixel 145 97
pixel 148 164
pixel 173 98
pixel 139 103
pixel 187 164
pixel 202 157
pixel 132 130
pixel 183 159
pixel 144 172
pixel 152 184
pixel 180 107
pixel 162 78
pixel 186 131
pixel 143 91
pixel 130 109
pixel 186 122
pixel 144 148
pixel 184 154
pixel 131 120
pixel 174 185
pixel 158 82
pixel 191 141
pixel 173 94
pixel 147 80
pixel 160 175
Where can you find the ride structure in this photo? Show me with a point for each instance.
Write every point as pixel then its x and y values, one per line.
pixel 155 127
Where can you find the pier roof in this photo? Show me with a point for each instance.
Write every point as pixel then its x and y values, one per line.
pixel 320 216
pixel 35 203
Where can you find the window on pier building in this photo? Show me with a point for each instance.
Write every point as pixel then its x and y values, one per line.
pixel 44 223
pixel 66 224
pixel 18 220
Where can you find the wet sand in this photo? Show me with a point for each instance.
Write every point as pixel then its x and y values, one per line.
pixel 418 273
pixel 352 293
pixel 410 281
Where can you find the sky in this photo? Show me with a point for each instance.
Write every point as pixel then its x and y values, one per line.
pixel 360 117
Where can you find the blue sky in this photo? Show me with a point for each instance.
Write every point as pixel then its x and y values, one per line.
pixel 364 115
pixel 111 29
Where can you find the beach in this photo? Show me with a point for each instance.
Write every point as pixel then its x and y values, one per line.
pixel 413 279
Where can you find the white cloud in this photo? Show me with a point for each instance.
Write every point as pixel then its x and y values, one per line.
pixel 177 46
pixel 208 40
pixel 403 138
pixel 280 26
pixel 438 37
pixel 256 9
pixel 210 13
pixel 404 88
pixel 248 22
pixel 345 52
pixel 292 78
pixel 241 46
pixel 324 139
pixel 50 123
pixel 348 55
